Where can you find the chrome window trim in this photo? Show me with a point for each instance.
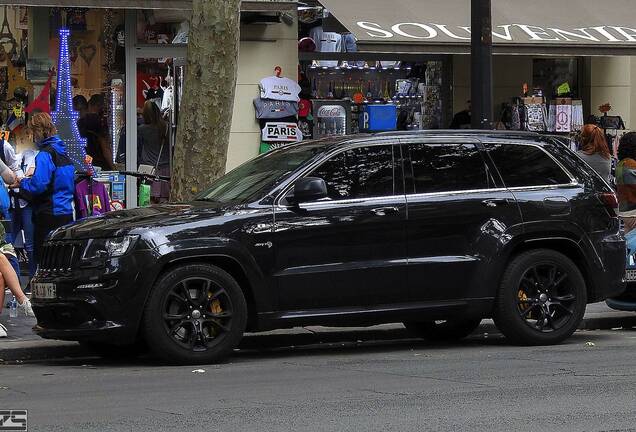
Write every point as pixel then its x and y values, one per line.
pixel 286 188
pixel 399 199
pixel 573 180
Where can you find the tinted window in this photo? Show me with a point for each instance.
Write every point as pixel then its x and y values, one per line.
pixel 524 165
pixel 447 168
pixel 254 179
pixel 359 173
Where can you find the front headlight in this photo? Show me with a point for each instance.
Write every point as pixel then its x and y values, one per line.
pixel 108 248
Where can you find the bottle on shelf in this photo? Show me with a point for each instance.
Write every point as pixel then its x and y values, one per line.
pixel 13 308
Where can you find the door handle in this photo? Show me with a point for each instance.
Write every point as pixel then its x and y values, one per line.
pixel 383 211
pixel 492 203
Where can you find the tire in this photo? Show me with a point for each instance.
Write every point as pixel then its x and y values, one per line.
pixel 535 306
pixel 195 314
pixel 440 331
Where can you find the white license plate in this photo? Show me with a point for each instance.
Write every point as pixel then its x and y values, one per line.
pixel 44 290
pixel 630 275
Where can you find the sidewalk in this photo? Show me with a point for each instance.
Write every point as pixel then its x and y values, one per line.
pixel 23 344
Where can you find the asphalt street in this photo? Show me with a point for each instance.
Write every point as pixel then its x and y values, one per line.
pixel 586 384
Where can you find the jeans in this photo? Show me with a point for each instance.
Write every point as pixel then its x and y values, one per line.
pixel 23 221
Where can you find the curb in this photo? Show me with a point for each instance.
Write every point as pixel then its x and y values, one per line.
pixel 31 350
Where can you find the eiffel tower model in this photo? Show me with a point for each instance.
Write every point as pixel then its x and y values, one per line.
pixel 64 118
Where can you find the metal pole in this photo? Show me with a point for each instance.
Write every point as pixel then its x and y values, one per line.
pixel 481 64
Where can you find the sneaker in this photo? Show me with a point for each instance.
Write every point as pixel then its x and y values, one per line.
pixel 26 307
pixel 3 331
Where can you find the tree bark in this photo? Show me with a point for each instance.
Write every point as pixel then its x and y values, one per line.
pixel 205 118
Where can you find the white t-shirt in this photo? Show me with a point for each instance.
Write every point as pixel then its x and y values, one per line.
pixel 280 89
pixel 166 102
pixel 330 42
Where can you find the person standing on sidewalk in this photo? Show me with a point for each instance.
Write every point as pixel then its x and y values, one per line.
pixel 22 216
pixel 9 263
pixel 626 180
pixel 594 150
pixel 52 184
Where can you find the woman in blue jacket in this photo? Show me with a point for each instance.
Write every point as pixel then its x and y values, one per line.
pixel 52 184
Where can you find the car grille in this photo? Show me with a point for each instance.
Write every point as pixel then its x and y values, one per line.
pixel 60 257
pixel 630 275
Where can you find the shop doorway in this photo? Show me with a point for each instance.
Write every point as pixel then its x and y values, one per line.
pixel 159 84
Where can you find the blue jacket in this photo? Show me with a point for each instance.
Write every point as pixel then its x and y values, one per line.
pixel 53 183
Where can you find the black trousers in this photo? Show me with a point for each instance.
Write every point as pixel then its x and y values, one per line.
pixel 43 224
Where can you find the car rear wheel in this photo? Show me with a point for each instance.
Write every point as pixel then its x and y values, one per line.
pixel 195 314
pixel 440 331
pixel 541 299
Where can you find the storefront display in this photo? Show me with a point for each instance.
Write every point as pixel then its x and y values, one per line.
pixel 277 110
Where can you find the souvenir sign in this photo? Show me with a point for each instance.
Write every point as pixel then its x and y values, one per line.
pixel 280 132
pixel 564 118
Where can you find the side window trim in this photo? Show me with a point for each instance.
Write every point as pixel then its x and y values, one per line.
pixel 409 175
pixel 573 181
pixel 278 202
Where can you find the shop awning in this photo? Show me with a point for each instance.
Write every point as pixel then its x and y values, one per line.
pixel 536 27
pixel 246 6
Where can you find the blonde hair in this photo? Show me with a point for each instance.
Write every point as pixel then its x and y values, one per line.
pixel 42 126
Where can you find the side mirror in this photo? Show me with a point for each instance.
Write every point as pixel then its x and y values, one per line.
pixel 308 189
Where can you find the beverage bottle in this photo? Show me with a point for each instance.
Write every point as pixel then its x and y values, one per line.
pixel 13 308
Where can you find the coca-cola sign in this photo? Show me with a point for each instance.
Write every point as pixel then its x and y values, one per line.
pixel 331 111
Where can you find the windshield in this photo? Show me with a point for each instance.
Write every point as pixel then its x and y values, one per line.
pixel 254 179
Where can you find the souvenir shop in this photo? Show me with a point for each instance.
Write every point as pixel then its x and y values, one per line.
pixel 370 66
pixel 122 71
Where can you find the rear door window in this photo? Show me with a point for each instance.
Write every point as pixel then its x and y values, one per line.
pixel 526 165
pixel 447 168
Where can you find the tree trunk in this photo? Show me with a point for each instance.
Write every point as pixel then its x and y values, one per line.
pixel 205 118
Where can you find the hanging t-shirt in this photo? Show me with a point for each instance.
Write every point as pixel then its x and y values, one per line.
pixel 166 102
pixel 330 42
pixel 274 109
pixel 100 199
pixel 283 89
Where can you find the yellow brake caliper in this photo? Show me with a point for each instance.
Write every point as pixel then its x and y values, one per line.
pixel 523 305
pixel 215 308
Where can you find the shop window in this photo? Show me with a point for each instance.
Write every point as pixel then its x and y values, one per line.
pixel 163 27
pixel 523 165
pixel 448 168
pixel 548 74
pixel 359 173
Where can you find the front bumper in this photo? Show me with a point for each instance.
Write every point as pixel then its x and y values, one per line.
pixel 110 313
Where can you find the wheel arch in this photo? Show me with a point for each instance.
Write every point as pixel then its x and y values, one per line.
pixel 564 245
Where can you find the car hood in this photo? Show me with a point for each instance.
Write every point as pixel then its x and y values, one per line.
pixel 140 220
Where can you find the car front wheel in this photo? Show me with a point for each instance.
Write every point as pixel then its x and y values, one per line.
pixel 541 299
pixel 195 314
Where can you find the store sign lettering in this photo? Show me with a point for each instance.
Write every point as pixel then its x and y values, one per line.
pixel 331 111
pixel 505 33
pixel 280 132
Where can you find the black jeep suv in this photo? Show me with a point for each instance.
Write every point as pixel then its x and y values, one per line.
pixel 434 229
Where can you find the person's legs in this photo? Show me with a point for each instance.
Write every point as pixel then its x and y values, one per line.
pixel 26 216
pixel 11 279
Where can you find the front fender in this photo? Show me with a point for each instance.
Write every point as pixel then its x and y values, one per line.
pixel 208 248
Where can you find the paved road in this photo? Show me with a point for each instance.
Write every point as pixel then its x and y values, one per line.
pixel 402 385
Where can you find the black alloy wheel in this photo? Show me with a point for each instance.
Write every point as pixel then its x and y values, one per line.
pixel 541 299
pixel 545 297
pixel 196 314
